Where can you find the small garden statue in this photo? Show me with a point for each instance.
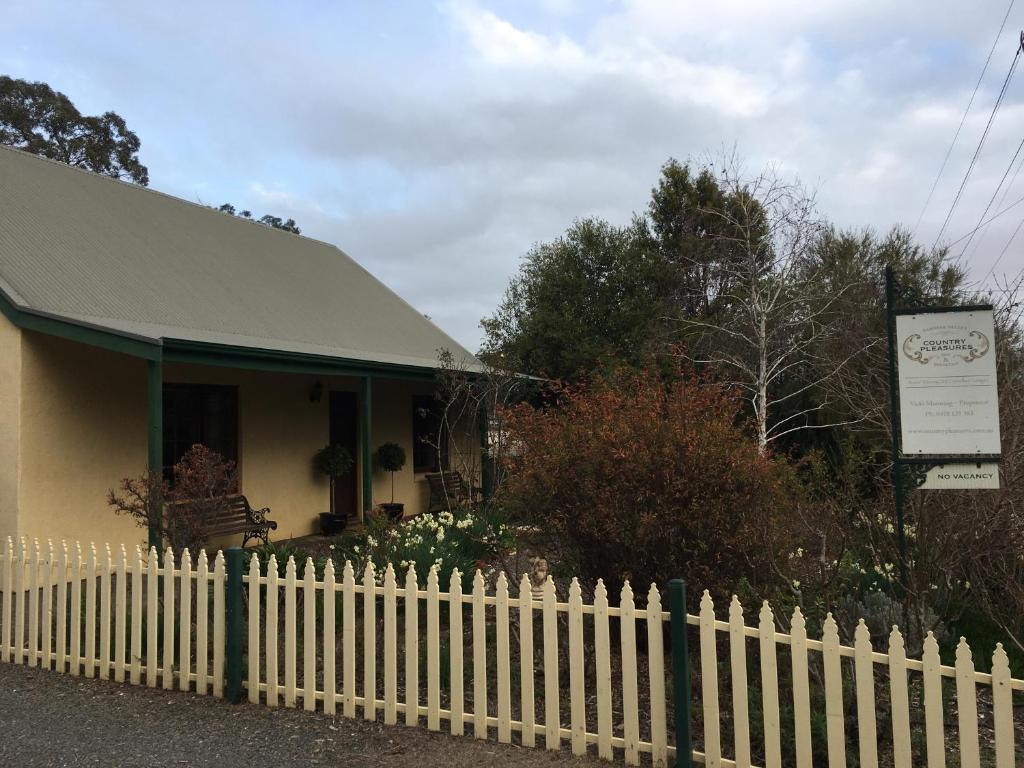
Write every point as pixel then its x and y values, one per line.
pixel 391 458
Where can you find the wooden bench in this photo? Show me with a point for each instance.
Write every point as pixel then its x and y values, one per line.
pixel 447 489
pixel 235 515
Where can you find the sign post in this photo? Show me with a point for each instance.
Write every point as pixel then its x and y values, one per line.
pixel 943 399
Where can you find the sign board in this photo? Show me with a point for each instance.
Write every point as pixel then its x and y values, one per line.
pixel 961 476
pixel 949 404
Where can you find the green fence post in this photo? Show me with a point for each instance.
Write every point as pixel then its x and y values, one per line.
pixel 234 626
pixel 680 673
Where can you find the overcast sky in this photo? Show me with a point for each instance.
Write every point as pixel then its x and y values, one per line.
pixel 435 142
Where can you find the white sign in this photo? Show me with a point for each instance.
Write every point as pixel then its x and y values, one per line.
pixel 949 404
pixel 952 476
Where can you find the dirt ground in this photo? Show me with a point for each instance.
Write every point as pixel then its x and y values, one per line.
pixel 49 719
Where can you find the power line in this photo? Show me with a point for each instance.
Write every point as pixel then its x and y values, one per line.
pixel 981 141
pixel 1003 252
pixel 992 199
pixel 963 118
pixel 984 229
pixel 988 221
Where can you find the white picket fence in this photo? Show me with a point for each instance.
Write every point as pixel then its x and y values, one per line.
pixel 136 619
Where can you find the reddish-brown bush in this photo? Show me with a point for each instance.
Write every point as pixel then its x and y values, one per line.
pixel 179 512
pixel 645 478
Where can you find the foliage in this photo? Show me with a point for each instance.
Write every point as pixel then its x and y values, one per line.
pixel 37 119
pixel 333 460
pixel 646 478
pixel 685 214
pixel 594 295
pixel 391 457
pixel 180 512
pixel 274 222
pixel 464 539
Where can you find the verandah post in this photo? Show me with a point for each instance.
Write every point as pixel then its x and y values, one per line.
pixel 234 625
pixel 680 673
pixel 366 448
pixel 154 436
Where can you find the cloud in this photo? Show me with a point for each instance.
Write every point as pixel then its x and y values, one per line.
pixel 436 144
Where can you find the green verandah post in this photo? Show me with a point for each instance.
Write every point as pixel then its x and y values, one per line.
pixel 680 673
pixel 234 625
pixel 367 452
pixel 155 432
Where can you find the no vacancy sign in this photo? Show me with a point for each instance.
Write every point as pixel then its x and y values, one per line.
pixel 949 403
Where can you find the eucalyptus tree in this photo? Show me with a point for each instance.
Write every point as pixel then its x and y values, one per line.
pixel 35 118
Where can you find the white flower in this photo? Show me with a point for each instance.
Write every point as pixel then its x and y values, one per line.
pixel 440 535
pixel 796 584
pixel 371 541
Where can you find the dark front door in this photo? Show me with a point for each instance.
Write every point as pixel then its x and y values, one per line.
pixel 345 430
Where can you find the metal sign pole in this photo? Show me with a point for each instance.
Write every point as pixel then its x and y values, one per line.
pixel 894 414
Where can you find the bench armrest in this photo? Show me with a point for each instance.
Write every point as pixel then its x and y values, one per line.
pixel 259 517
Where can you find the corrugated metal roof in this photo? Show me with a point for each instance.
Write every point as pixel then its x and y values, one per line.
pixel 95 250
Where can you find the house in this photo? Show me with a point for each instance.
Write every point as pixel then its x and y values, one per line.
pixel 135 324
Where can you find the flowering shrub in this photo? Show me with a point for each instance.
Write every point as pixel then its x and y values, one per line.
pixel 463 539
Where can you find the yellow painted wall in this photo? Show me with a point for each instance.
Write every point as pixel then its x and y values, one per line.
pixel 82 415
pixel 10 426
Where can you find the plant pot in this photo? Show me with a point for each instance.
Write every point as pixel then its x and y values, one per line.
pixel 332 525
pixel 394 511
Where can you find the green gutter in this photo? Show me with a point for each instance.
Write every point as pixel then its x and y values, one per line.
pixel 83 333
pixel 202 353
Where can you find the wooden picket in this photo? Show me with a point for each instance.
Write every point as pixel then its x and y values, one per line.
pixel 330 650
pixel 149 619
pixel 458 680
pixel 370 643
pixel 309 635
pixel 527 706
pixel 203 624
pixel 433 650
pixel 185 622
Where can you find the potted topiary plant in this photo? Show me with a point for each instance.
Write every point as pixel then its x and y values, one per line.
pixel 334 461
pixel 391 458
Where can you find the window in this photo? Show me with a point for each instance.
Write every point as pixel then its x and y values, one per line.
pixel 426 428
pixel 199 413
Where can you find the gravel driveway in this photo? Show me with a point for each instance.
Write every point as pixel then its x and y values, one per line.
pixel 47 719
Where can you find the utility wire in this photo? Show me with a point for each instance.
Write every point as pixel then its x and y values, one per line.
pixel 963 118
pixel 992 199
pixel 988 221
pixel 981 141
pixel 1003 252
pixel 984 229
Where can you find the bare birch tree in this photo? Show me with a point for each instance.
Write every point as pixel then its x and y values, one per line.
pixel 773 311
pixel 471 399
